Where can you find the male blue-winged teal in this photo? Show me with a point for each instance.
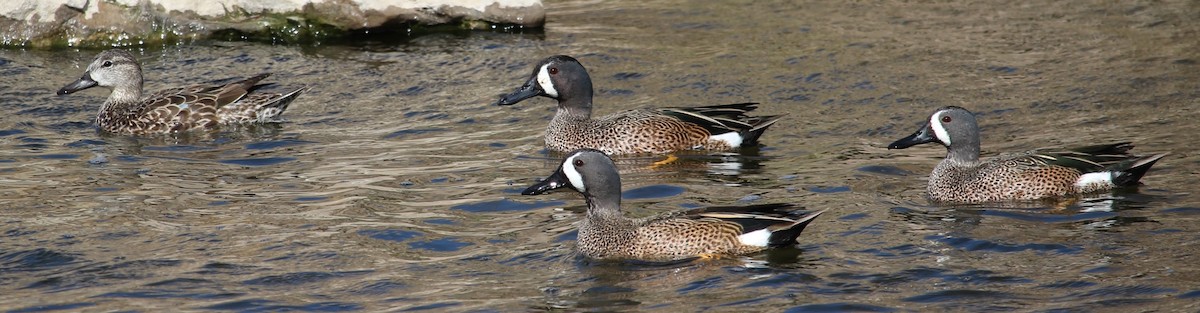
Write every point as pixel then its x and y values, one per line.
pixel 607 234
pixel 963 178
pixel 646 130
pixel 177 109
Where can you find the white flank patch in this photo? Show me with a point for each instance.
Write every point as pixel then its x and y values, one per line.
pixel 758 238
pixel 935 121
pixel 543 80
pixel 573 175
pixel 183 106
pixel 1101 179
pixel 732 138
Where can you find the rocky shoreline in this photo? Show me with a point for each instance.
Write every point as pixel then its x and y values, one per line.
pixel 108 23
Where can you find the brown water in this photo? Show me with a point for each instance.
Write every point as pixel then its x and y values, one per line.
pixel 394 184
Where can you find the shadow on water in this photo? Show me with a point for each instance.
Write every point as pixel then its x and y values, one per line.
pixel 250 145
pixel 617 285
pixel 392 35
pixel 715 166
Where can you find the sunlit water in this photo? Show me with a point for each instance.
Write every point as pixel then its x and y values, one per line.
pixel 394 184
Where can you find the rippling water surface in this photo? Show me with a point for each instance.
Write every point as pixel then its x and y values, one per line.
pixel 394 184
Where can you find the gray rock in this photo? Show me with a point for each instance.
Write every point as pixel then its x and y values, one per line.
pixel 106 23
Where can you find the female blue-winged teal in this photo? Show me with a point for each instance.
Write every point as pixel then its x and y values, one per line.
pixel 963 178
pixel 607 234
pixel 647 130
pixel 177 109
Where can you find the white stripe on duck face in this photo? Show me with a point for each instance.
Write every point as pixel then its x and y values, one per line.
pixel 543 80
pixel 939 131
pixel 573 176
pixel 733 139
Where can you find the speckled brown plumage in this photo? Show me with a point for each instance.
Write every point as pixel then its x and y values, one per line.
pixel 679 236
pixel 999 180
pixel 964 178
pixel 635 131
pixel 607 234
pixel 173 110
pixel 647 130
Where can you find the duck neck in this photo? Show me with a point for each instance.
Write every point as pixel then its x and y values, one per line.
pixel 965 151
pixel 605 205
pixel 123 95
pixel 577 107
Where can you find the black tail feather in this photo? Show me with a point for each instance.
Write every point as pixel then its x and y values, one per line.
pixel 1114 156
pixel 286 99
pixel 724 118
pixel 1131 175
pixel 759 126
pixel 787 236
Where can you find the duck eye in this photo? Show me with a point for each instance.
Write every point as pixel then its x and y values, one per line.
pixel 945 119
pixel 107 63
pixel 578 163
pixel 553 71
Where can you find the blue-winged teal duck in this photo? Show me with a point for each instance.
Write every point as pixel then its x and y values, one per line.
pixel 963 178
pixel 646 130
pixel 607 234
pixel 177 109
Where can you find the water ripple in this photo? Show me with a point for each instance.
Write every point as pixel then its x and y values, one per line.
pixel 505 205
pixel 960 295
pixel 971 244
pixel 260 305
pixel 39 259
pixel 101 275
pixel 839 307
pixel 300 278
pixel 54 307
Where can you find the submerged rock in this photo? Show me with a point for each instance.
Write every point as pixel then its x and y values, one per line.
pixel 106 23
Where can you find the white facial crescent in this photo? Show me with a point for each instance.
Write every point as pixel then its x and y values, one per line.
pixel 543 80
pixel 939 131
pixel 572 174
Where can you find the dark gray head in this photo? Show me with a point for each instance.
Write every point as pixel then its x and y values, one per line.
pixel 953 127
pixel 558 77
pixel 116 69
pixel 589 172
